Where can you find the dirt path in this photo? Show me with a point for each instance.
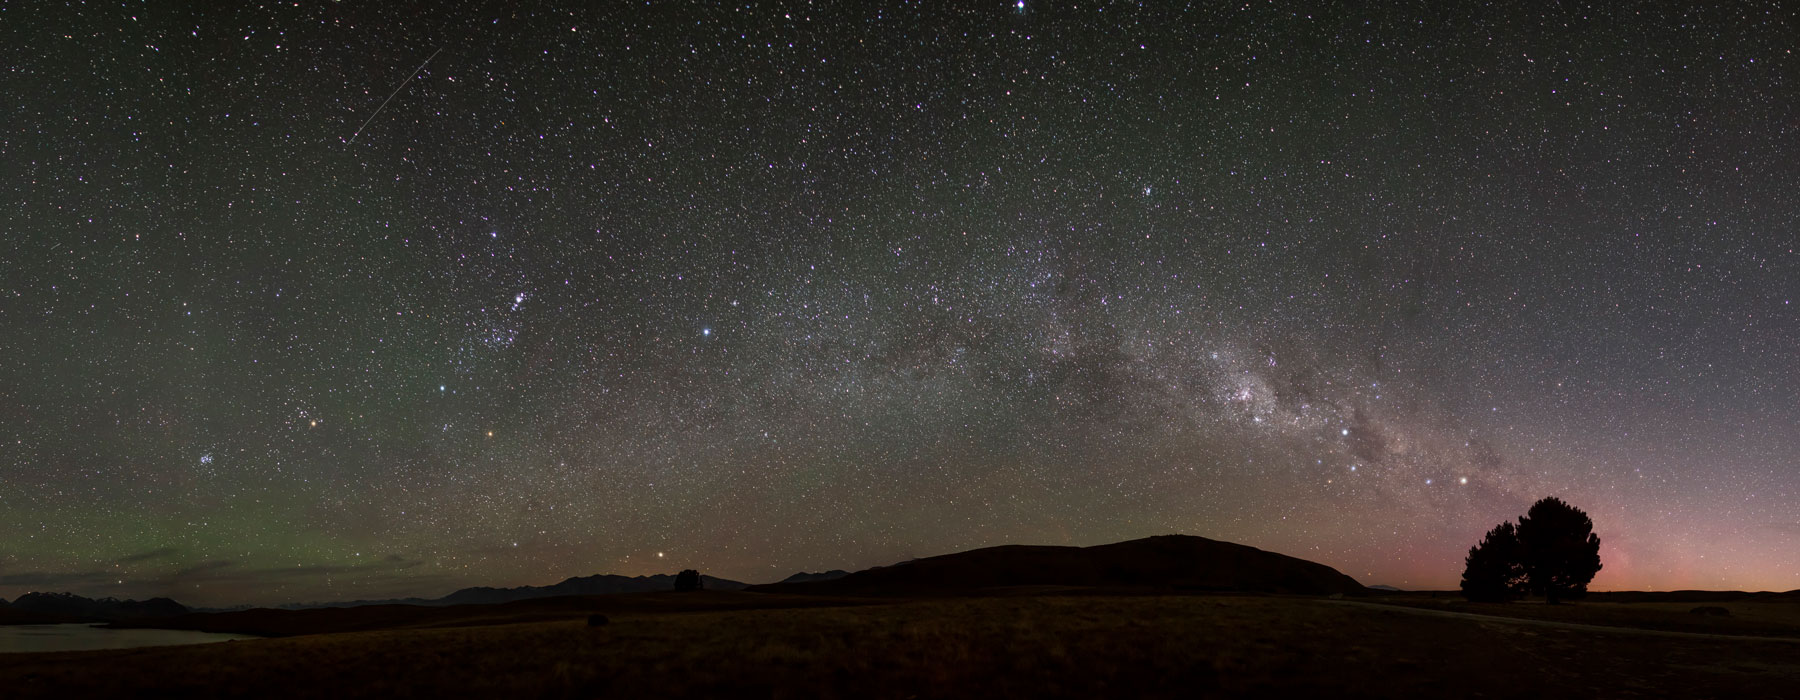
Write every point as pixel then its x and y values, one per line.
pixel 1565 625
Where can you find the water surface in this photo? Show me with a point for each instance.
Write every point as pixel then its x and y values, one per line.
pixel 78 637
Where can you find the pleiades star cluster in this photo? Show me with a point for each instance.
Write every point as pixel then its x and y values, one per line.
pixel 325 301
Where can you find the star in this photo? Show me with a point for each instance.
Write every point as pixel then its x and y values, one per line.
pixel 925 244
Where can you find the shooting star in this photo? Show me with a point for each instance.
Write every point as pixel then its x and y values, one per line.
pixel 390 97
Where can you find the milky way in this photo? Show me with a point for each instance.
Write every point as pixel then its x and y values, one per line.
pixel 780 287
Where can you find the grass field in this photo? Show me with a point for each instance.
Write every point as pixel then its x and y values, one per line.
pixel 1747 618
pixel 995 647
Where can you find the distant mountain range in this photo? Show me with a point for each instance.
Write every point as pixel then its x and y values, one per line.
pixel 51 608
pixel 598 584
pixel 1171 563
pixel 1167 562
pixel 804 577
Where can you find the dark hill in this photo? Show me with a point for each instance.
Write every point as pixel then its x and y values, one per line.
pixel 598 584
pixel 73 608
pixel 804 576
pixel 10 615
pixel 1178 562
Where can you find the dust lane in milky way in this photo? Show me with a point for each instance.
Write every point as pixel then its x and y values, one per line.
pixel 788 287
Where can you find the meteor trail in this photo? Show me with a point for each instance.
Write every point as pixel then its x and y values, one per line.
pixel 390 97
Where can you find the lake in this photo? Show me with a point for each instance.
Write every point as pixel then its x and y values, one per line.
pixel 79 637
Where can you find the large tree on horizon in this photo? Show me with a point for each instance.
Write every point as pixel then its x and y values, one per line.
pixel 1561 551
pixel 1552 552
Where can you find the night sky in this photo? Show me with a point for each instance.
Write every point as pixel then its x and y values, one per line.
pixel 765 288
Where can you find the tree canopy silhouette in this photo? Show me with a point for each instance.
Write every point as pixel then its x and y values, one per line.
pixel 1494 570
pixel 1552 552
pixel 687 580
pixel 1562 553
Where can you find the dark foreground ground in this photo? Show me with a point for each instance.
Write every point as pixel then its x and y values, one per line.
pixel 994 647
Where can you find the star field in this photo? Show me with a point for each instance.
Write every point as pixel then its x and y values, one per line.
pixel 773 287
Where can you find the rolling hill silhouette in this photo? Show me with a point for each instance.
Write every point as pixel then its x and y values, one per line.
pixel 1179 562
pixel 598 584
pixel 805 576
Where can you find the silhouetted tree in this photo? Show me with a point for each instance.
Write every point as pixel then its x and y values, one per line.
pixel 1494 570
pixel 1560 551
pixel 687 580
pixel 1552 552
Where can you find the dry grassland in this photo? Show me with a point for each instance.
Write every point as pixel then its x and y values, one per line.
pixel 1001 647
